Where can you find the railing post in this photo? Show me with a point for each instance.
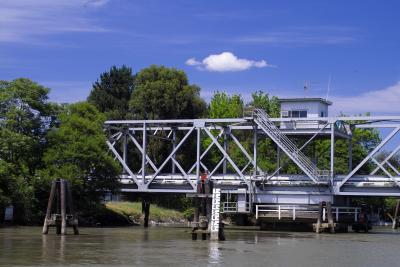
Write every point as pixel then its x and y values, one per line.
pixel 279 212
pixel 337 214
pixel 294 213
pixel 355 214
pixel 256 212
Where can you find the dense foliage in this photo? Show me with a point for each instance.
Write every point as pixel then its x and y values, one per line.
pixel 112 92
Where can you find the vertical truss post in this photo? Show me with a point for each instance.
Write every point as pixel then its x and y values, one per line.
pixel 124 165
pixel 154 175
pixel 226 149
pixel 350 154
pixel 332 158
pixel 173 148
pixel 125 148
pixel 144 154
pixel 198 144
pixel 233 164
pixel 255 151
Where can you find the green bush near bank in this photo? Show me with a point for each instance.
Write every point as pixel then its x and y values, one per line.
pixel 133 212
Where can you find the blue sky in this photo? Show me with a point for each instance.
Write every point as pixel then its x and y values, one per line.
pixel 236 46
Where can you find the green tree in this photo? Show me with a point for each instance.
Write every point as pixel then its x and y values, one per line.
pixel 263 101
pixel 223 105
pixel 111 94
pixel 77 152
pixel 165 93
pixel 25 117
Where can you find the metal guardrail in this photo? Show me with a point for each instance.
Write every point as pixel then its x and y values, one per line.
pixel 232 207
pixel 291 211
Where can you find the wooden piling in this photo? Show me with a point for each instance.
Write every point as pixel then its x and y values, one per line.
pixel 396 214
pixel 49 208
pixel 71 208
pixel 145 212
pixel 330 217
pixel 319 219
pixel 63 208
pixel 59 203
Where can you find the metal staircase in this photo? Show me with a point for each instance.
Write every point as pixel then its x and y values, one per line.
pixel 305 164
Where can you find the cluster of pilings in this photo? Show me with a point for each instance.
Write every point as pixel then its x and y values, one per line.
pixel 207 205
pixel 320 225
pixel 60 212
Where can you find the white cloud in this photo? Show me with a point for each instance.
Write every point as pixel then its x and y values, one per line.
pixel 25 21
pixel 226 61
pixel 320 35
pixel 386 101
pixel 192 62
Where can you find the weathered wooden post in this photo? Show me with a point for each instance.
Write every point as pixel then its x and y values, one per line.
pixel 60 200
pixel 330 217
pixel 71 209
pixel 145 212
pixel 396 214
pixel 319 219
pixel 49 207
pixel 63 208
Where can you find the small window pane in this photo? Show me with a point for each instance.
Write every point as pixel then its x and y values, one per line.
pixel 303 114
pixel 295 114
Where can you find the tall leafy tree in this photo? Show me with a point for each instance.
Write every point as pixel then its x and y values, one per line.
pixel 165 93
pixel 112 92
pixel 25 117
pixel 77 152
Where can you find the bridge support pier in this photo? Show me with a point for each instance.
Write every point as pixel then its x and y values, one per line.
pixel 145 212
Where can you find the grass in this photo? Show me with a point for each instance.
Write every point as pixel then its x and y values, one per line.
pixel 133 211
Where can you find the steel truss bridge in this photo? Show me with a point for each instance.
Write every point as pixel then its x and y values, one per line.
pixel 246 184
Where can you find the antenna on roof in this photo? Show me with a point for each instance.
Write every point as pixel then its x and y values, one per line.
pixel 329 87
pixel 306 88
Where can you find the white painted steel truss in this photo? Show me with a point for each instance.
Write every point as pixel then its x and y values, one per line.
pixel 126 135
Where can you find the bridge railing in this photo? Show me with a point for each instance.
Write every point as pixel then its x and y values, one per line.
pixel 232 207
pixel 295 211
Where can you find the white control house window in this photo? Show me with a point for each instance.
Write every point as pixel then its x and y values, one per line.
pixel 294 113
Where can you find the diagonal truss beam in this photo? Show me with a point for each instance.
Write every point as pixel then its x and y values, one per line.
pixel 386 160
pixel 124 165
pixel 385 171
pixel 170 156
pixel 139 147
pixel 226 155
pixel 185 175
pixel 393 168
pixel 244 151
pixel 205 153
pixel 370 155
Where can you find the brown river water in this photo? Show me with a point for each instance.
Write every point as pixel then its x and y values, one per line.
pixel 167 246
